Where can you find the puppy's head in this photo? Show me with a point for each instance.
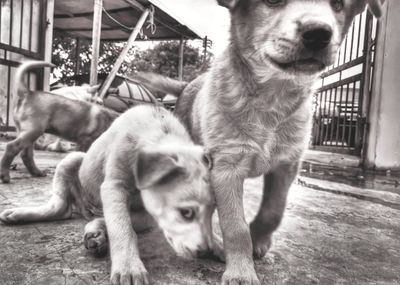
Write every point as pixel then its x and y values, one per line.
pixel 92 94
pixel 175 190
pixel 294 36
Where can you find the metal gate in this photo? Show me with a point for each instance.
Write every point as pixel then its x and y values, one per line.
pixel 22 34
pixel 341 103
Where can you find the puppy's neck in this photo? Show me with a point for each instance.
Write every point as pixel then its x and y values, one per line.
pixel 242 68
pixel 256 77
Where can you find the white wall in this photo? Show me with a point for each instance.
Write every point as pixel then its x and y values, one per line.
pixel 384 137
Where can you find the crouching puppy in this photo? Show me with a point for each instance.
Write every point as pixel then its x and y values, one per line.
pixel 38 112
pixel 145 149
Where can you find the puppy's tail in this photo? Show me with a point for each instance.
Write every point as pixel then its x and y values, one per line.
pixel 160 83
pixel 19 86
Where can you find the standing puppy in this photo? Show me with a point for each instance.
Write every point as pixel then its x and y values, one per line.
pixel 145 149
pixel 39 112
pixel 252 110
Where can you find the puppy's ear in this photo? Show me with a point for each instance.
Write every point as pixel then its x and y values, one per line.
pixel 230 4
pixel 93 89
pixel 376 7
pixel 154 168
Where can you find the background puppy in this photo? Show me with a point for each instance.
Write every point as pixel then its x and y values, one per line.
pixel 85 93
pixel 37 112
pixel 252 110
pixel 145 149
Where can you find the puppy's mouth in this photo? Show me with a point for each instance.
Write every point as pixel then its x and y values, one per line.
pixel 307 66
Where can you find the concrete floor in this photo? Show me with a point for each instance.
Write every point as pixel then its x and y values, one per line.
pixel 331 234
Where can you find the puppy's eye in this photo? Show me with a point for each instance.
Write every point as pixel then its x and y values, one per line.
pixel 207 160
pixel 187 214
pixel 274 3
pixel 337 5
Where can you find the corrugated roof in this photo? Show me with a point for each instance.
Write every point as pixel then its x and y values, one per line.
pixel 75 18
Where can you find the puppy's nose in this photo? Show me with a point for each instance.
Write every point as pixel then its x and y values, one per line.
pixel 316 37
pixel 203 251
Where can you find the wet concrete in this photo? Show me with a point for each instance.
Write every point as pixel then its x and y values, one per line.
pixel 332 233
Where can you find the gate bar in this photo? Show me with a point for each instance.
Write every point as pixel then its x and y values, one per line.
pixel 124 52
pixel 365 103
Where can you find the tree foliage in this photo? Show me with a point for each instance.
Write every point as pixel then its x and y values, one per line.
pixel 163 58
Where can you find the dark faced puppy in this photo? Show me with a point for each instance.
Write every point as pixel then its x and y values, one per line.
pixel 299 37
pixel 252 110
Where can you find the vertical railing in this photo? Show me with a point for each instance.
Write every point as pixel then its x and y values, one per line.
pixel 341 101
pixel 22 28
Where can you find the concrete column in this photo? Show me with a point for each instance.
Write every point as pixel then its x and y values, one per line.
pixel 384 135
pixel 181 53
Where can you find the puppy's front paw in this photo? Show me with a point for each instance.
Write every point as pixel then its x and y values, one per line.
pixel 261 245
pixel 39 173
pixel 240 275
pixel 130 272
pixel 96 242
pixel 12 216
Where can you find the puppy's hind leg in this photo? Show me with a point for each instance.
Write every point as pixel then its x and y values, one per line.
pixel 24 139
pixel 65 188
pixel 27 159
pixel 95 237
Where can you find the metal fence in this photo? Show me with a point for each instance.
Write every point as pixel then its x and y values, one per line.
pixel 22 29
pixel 341 103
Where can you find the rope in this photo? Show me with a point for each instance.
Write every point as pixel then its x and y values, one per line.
pixel 150 26
pixel 116 21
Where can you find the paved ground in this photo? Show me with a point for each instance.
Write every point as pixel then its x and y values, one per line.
pixel 331 234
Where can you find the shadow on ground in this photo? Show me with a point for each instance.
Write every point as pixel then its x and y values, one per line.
pixel 327 237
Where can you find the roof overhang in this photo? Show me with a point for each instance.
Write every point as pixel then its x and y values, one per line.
pixel 75 18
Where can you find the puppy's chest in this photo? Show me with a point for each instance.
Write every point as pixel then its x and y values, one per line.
pixel 279 134
pixel 269 133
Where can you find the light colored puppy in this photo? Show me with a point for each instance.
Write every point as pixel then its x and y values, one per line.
pixel 145 149
pixel 252 110
pixel 39 112
pixel 81 93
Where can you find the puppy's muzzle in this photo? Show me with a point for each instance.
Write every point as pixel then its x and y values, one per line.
pixel 316 36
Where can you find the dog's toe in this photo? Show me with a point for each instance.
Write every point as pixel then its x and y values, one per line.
pixel 96 243
pixel 261 247
pixel 240 277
